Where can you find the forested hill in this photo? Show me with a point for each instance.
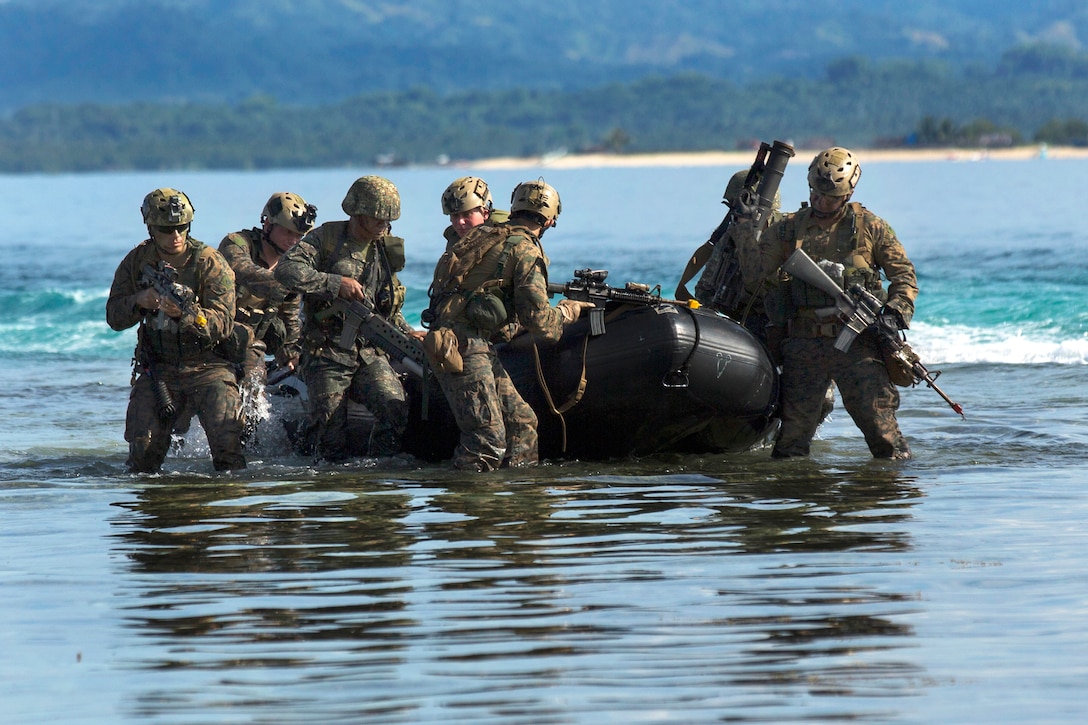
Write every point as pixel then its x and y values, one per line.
pixel 305 52
pixel 153 84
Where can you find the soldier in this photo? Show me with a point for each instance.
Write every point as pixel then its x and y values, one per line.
pixel 265 306
pixel 494 276
pixel 179 361
pixel 844 236
pixel 350 260
pixel 722 287
pixel 467 202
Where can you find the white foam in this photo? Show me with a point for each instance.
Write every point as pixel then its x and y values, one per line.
pixel 1007 344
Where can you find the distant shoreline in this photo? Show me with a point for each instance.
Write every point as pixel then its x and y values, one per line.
pixel 745 158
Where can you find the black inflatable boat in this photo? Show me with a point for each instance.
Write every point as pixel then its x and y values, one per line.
pixel 638 376
pixel 654 377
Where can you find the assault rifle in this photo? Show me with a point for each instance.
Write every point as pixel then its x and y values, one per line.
pixel 757 194
pixel 860 310
pixel 588 286
pixel 360 318
pixel 164 278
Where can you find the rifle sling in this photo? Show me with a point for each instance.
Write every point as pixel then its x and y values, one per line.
pixel 697 262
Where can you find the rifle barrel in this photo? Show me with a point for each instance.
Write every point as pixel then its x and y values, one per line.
pixel 951 403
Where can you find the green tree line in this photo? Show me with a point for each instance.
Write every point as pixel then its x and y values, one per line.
pixel 1035 93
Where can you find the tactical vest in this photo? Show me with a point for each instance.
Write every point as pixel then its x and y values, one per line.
pixel 247 303
pixel 384 258
pixel 374 265
pixel 468 286
pixel 846 247
pixel 161 337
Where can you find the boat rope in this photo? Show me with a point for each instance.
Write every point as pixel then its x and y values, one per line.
pixel 572 399
pixel 678 378
pixel 751 300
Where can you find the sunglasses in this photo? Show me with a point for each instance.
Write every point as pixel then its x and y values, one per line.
pixel 184 228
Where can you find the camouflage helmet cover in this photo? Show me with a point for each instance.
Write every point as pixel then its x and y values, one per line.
pixel 290 211
pixel 736 185
pixel 834 172
pixel 465 194
pixel 373 196
pixel 537 197
pixel 166 207
pixel 733 188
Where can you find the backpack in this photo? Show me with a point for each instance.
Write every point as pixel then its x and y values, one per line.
pixel 468 279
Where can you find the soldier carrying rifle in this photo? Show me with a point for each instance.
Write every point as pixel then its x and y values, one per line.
pixel 356 260
pixel 492 277
pixel 832 230
pixel 181 294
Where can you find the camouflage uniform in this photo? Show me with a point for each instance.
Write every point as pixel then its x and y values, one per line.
pixel 180 354
pixel 315 267
pixel 507 332
pixel 497 426
pixel 268 308
pixel 738 297
pixel 865 245
pixel 742 296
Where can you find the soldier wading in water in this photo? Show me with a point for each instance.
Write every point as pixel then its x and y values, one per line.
pixel 492 277
pixel 187 347
pixel 265 306
pixel 857 246
pixel 353 260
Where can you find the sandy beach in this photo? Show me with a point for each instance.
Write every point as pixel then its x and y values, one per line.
pixel 744 158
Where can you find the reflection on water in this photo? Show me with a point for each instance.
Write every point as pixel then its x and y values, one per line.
pixel 542 597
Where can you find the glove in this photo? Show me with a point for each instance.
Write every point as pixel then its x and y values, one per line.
pixel 892 319
pixel 571 310
pixel 747 203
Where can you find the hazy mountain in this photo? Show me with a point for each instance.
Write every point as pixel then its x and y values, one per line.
pixel 308 51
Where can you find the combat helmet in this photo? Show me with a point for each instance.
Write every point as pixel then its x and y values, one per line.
pixel 290 211
pixel 373 196
pixel 536 197
pixel 736 185
pixel 166 207
pixel 464 194
pixel 834 172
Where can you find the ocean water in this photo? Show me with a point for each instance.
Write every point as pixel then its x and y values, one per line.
pixel 950 588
